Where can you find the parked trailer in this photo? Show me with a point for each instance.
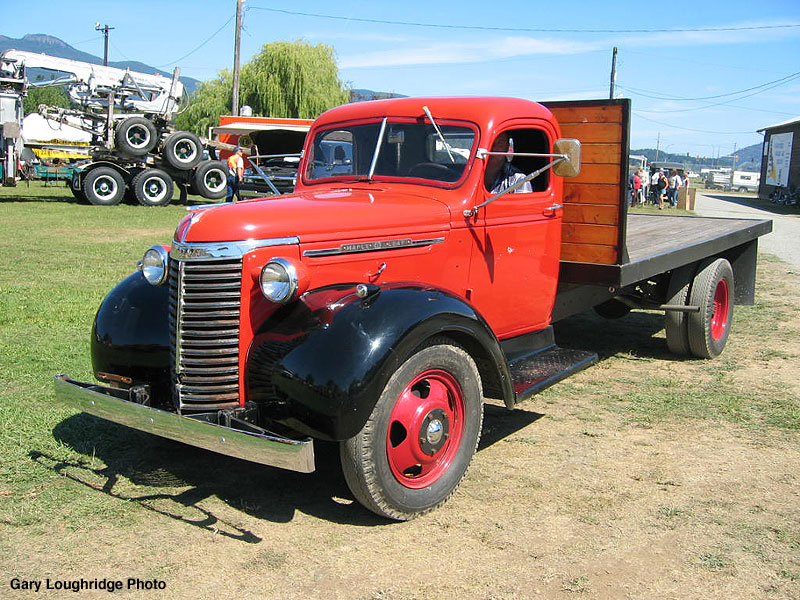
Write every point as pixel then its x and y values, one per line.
pixel 136 152
pixel 381 302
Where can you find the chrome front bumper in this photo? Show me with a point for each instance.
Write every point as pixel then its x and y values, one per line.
pixel 113 405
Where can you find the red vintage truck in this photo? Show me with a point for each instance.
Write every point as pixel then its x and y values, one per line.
pixel 379 304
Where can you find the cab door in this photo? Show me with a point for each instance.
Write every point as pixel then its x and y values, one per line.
pixel 514 268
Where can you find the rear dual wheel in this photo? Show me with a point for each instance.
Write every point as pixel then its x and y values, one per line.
pixel 703 333
pixel 419 440
pixel 153 187
pixel 712 290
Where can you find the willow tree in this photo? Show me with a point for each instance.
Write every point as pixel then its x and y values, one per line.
pixel 285 79
pixel 210 100
pixel 292 79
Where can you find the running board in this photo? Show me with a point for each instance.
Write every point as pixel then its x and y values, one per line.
pixel 532 374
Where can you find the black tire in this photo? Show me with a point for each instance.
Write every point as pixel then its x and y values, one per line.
pixel 210 179
pixel 417 444
pixel 77 192
pixel 103 186
pixel 676 323
pixel 712 289
pixel 183 150
pixel 130 194
pixel 135 136
pixel 612 309
pixel 153 187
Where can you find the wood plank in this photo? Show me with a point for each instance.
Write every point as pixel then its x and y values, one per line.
pixel 603 255
pixel 589 133
pixel 598 174
pixel 587 114
pixel 591 213
pixel 608 154
pixel 584 193
pixel 581 233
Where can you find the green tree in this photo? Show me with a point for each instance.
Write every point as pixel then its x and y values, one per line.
pixel 285 79
pixel 52 96
pixel 210 100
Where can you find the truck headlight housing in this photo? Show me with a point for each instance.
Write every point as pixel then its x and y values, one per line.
pixel 279 281
pixel 155 265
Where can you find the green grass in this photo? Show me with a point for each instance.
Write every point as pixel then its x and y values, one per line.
pixel 62 257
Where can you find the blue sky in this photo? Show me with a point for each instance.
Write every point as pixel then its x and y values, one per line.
pixel 703 76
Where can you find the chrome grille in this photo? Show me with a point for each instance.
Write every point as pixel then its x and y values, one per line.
pixel 204 321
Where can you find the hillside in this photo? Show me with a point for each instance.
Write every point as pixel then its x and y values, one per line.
pixel 747 159
pixel 52 46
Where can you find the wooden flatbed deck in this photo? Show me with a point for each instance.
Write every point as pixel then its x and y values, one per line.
pixel 655 244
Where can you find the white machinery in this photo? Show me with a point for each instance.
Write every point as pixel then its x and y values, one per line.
pixel 135 149
pixel 95 86
pixel 12 90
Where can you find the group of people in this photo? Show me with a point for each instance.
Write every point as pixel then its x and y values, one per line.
pixel 659 187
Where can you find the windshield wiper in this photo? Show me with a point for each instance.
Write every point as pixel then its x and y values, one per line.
pixel 439 133
pixel 374 162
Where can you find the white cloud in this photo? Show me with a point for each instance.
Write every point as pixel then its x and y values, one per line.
pixel 464 52
pixel 438 52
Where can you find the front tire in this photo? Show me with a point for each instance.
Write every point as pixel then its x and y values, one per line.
pixel 417 444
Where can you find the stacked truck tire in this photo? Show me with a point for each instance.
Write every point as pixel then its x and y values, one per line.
pixel 146 164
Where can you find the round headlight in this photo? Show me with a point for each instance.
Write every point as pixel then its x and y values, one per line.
pixel 278 281
pixel 154 265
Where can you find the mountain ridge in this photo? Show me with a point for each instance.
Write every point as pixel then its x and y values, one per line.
pixel 42 43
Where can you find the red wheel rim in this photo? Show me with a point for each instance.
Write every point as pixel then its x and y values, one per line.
pixel 425 429
pixel 719 320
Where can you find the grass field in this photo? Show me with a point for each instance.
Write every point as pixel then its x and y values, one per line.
pixel 643 477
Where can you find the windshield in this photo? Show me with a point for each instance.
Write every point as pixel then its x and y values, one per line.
pixel 409 149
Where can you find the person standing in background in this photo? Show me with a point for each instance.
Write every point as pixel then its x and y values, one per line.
pixel 235 174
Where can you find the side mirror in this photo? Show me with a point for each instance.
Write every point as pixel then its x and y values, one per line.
pixel 571 149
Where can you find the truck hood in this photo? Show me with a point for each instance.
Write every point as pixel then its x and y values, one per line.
pixel 325 215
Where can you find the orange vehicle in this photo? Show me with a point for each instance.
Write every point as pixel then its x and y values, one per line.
pixel 273 146
pixel 399 285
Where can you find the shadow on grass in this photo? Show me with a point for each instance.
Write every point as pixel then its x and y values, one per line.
pixel 178 479
pixel 38 192
pixel 633 334
pixel 186 477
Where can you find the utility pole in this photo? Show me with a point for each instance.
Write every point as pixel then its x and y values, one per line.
pixel 236 43
pixel 104 29
pixel 658 143
pixel 613 74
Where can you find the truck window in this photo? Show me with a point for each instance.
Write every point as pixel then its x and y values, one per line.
pixel 408 149
pixel 533 141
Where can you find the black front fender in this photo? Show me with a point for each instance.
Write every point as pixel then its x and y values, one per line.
pixel 320 364
pixel 130 336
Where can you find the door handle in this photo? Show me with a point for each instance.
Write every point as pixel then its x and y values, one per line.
pixel 554 207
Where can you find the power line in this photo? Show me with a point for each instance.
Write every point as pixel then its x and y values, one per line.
pixel 518 29
pixel 225 24
pixel 692 130
pixel 643 92
pixel 760 91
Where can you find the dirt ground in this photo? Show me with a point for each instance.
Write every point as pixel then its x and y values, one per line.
pixel 572 496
